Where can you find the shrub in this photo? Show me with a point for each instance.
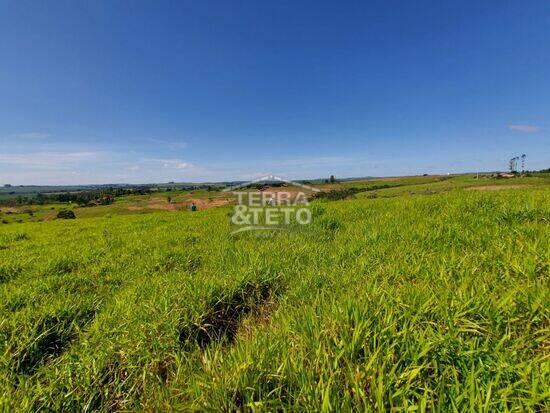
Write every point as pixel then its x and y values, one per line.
pixel 21 236
pixel 337 194
pixel 66 214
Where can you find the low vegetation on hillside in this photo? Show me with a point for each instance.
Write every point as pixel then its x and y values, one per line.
pixel 394 301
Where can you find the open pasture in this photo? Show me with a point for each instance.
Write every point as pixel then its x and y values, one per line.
pixel 394 301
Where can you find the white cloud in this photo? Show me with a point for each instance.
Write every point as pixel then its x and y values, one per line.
pixel 169 163
pixel 524 128
pixel 48 160
pixel 175 164
pixel 90 167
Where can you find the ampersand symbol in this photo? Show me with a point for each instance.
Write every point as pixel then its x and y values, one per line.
pixel 240 217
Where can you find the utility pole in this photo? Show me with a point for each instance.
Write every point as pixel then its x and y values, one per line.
pixel 523 163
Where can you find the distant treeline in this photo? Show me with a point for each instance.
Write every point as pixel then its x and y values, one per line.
pixel 91 197
pixel 104 196
pixel 338 194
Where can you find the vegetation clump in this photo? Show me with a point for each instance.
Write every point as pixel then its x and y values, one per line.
pixel 9 271
pixel 337 194
pixel 66 214
pixel 221 319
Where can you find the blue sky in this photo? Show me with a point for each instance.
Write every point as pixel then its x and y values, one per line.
pixel 119 91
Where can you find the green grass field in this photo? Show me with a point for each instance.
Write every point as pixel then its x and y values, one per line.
pixel 419 297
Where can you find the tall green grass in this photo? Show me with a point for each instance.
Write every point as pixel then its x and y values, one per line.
pixel 407 303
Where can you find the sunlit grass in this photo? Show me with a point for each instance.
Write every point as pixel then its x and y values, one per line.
pixel 420 302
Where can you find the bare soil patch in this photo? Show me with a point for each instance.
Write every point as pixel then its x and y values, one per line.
pixel 162 205
pixel 135 208
pixel 207 203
